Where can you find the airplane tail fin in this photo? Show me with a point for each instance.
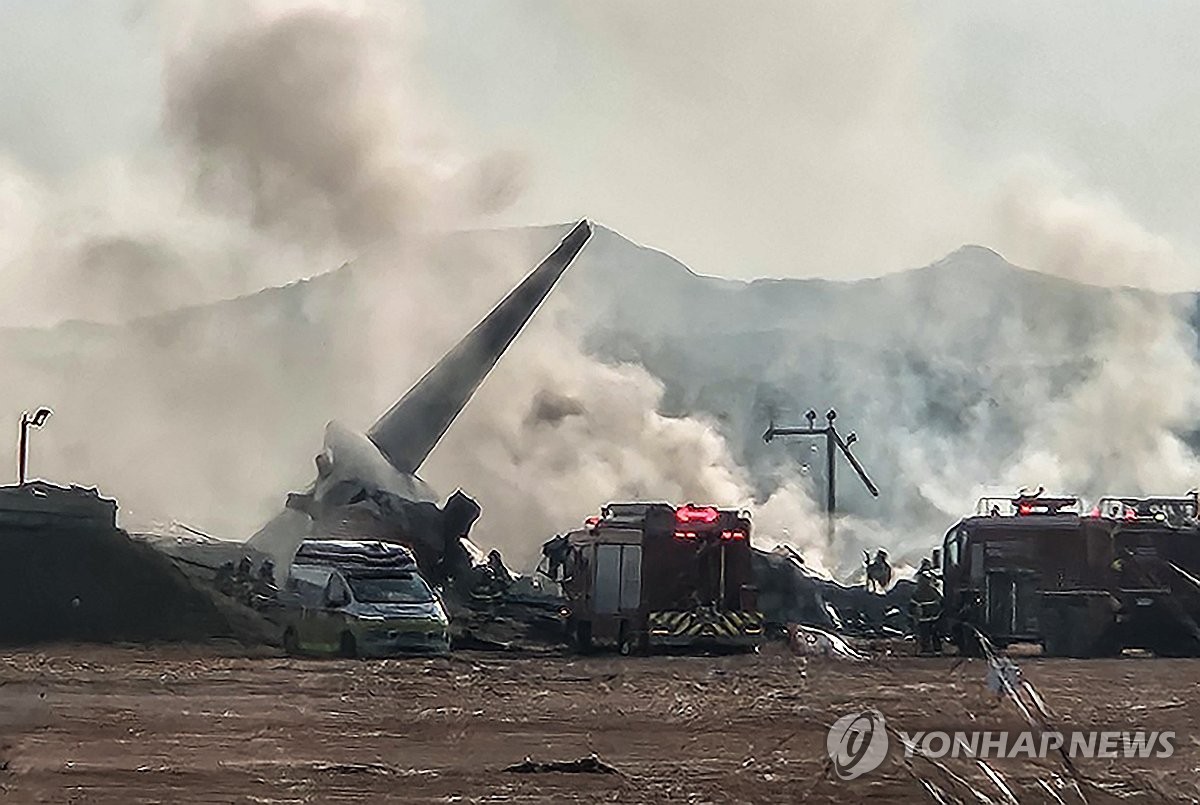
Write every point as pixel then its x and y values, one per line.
pixel 412 427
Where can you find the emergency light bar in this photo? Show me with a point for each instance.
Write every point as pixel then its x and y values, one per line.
pixel 1026 506
pixel 694 514
pixel 1161 509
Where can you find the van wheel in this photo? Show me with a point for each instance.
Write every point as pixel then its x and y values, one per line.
pixel 291 646
pixel 349 648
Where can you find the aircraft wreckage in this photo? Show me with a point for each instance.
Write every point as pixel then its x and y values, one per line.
pixel 367 487
pixel 367 484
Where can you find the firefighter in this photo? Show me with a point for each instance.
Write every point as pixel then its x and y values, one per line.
pixel 500 573
pixel 224 579
pixel 243 580
pixel 925 609
pixel 879 571
pixel 556 552
pixel 264 584
pixel 490 579
pixel 926 569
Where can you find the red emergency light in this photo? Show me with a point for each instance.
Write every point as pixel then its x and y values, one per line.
pixel 592 522
pixel 732 535
pixel 685 535
pixel 696 514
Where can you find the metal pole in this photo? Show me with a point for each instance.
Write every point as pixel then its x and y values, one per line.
pixel 721 596
pixel 833 443
pixel 23 449
pixel 831 487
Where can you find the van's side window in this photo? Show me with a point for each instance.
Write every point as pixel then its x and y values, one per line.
pixel 310 584
pixel 336 589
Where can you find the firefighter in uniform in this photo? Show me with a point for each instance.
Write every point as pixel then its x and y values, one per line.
pixel 264 583
pixel 225 579
pixel 879 572
pixel 925 609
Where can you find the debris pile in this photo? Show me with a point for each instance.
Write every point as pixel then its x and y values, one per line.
pixel 592 764
pixel 790 593
pixel 78 577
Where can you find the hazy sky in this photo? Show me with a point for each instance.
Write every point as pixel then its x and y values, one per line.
pixel 773 138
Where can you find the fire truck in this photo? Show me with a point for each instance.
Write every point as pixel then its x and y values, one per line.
pixel 648 575
pixel 1153 550
pixel 1037 569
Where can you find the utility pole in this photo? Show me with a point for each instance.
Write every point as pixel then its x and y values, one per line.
pixel 27 421
pixel 833 440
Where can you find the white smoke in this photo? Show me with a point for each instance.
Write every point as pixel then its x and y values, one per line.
pixel 1120 429
pixel 294 143
pixel 546 445
pixel 294 140
pixel 1117 424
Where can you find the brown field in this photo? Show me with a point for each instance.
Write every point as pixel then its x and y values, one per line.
pixel 207 724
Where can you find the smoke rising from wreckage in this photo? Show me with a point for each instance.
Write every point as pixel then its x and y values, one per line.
pixel 181 311
pixel 382 466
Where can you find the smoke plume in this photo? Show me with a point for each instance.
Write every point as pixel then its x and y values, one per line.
pixel 295 138
pixel 292 145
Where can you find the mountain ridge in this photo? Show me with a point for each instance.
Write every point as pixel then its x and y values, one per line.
pixel 942 369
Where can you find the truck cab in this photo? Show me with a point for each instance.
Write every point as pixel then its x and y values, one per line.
pixel 355 598
pixel 1154 559
pixel 1036 569
pixel 1000 563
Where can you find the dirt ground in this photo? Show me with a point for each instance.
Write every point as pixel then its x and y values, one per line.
pixel 203 724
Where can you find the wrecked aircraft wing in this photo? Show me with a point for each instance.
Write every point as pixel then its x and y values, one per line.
pixel 410 429
pixel 380 467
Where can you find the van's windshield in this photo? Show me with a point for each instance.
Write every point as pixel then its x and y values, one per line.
pixel 398 588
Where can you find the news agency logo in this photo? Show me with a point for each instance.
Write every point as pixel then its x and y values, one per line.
pixel 1108 744
pixel 857 744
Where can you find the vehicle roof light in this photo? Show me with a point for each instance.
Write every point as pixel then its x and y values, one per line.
pixel 696 514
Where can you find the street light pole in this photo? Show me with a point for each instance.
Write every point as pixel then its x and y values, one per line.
pixel 27 422
pixel 833 442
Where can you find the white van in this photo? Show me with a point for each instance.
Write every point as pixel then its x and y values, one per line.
pixel 350 604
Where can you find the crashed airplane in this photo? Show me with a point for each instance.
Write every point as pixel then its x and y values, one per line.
pixel 367 485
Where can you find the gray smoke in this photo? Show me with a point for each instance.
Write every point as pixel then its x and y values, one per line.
pixel 293 146
pixel 293 141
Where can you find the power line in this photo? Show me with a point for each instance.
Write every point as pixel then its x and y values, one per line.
pixel 832 439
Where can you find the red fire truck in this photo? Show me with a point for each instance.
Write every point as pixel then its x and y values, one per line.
pixel 646 575
pixel 1035 569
